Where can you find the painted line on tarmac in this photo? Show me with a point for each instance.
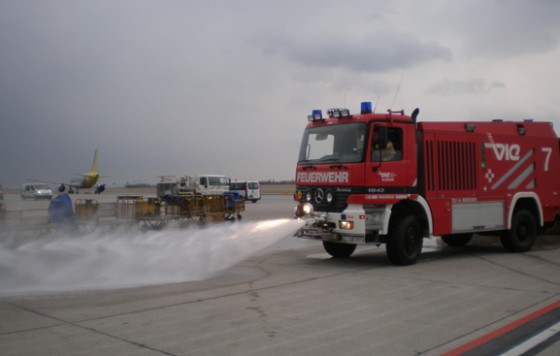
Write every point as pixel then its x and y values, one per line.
pixel 517 337
pixel 534 341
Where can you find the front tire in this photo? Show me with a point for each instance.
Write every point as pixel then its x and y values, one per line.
pixel 338 250
pixel 523 232
pixel 404 243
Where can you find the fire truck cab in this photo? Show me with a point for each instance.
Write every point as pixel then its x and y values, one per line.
pixel 386 178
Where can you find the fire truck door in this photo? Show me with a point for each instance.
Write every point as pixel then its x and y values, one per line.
pixel 386 166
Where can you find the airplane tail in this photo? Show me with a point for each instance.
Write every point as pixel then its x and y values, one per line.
pixel 94 165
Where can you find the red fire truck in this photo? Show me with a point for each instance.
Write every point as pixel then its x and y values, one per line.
pixel 374 178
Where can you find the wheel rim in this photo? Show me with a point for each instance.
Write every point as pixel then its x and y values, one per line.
pixel 522 232
pixel 411 243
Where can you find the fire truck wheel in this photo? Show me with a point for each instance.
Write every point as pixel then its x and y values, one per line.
pixel 458 240
pixel 404 245
pixel 523 232
pixel 339 250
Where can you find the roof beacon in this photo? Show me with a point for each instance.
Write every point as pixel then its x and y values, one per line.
pixel 315 115
pixel 366 107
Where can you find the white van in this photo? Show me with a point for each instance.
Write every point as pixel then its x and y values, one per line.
pixel 253 191
pixel 35 191
pixel 248 190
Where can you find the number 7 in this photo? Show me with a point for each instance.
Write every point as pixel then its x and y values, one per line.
pixel 548 151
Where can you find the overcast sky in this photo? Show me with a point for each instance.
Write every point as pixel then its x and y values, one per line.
pixel 185 87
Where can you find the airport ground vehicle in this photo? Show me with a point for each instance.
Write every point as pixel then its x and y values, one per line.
pixel 86 215
pixel 154 213
pixel 248 190
pixel 202 184
pixel 424 179
pixel 35 191
pixel 181 203
pixel 200 198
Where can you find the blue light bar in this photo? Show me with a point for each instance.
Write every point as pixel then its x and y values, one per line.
pixel 366 107
pixel 315 115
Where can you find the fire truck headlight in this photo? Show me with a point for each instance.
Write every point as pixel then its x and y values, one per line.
pixel 304 209
pixel 346 225
pixel 307 209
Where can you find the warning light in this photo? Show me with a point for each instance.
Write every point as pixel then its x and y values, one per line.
pixel 366 107
pixel 315 115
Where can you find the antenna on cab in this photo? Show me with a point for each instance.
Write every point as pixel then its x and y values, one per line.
pixel 397 92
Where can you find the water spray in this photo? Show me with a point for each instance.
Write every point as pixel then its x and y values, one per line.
pixel 129 259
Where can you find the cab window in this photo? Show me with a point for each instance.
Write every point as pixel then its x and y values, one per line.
pixel 386 144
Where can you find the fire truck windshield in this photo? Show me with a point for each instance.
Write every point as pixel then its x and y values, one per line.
pixel 343 143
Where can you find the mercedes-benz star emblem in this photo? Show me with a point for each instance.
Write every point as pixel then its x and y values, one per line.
pixel 319 196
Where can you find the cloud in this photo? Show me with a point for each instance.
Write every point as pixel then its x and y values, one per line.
pixel 374 53
pixel 224 87
pixel 503 29
pixel 462 87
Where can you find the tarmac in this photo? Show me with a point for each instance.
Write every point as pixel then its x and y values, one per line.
pixel 291 298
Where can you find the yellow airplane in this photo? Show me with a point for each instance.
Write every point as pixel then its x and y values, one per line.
pixel 87 180
pixel 84 181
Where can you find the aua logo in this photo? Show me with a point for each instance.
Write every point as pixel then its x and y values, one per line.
pixel 387 176
pixel 505 151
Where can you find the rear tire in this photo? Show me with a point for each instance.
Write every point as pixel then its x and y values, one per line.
pixel 404 243
pixel 523 232
pixel 458 240
pixel 338 250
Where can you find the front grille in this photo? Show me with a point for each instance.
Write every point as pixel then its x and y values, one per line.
pixel 318 198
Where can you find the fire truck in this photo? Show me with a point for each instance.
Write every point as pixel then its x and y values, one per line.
pixel 386 178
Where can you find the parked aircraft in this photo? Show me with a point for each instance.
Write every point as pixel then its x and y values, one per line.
pixel 84 181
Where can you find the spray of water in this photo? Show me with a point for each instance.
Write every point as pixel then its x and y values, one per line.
pixel 126 259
